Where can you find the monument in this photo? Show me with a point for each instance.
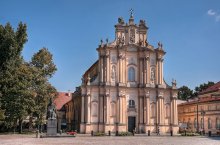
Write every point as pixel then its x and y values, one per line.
pixel 51 119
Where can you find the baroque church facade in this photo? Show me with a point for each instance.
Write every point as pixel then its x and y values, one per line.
pixel 124 90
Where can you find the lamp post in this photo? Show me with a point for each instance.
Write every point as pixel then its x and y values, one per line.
pixel 197 116
pixel 203 122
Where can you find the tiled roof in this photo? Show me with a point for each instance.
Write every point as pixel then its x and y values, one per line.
pixel 62 98
pixel 212 88
pixel 201 100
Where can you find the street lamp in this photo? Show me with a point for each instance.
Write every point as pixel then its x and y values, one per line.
pixel 203 123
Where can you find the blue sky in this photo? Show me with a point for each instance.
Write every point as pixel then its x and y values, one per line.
pixel 71 30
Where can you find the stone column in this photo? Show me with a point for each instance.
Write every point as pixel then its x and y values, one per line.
pixel 101 108
pixel 157 70
pixel 162 71
pixel 101 69
pixel 145 70
pixel 108 68
pixel 141 109
pixel 121 109
pixel 88 109
pixel 120 69
pixel 148 71
pixel 175 112
pixel 148 109
pixel 82 110
pixel 107 109
pixel 141 71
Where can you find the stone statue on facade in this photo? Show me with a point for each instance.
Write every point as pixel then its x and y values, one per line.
pixel 121 20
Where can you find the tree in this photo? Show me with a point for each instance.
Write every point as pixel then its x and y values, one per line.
pixel 202 87
pixel 11 66
pixel 45 68
pixel 184 93
pixel 24 87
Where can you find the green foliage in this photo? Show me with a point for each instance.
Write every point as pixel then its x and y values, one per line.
pixel 42 61
pixel 24 87
pixel 99 134
pixel 190 134
pixel 202 87
pixel 125 134
pixel 184 93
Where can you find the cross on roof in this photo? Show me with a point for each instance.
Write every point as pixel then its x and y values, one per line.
pixel 131 12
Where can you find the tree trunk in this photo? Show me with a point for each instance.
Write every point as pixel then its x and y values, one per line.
pixel 30 123
pixel 20 125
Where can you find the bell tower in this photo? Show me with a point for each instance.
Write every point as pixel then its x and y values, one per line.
pixel 131 33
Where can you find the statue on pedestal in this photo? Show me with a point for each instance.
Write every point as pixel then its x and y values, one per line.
pixel 51 110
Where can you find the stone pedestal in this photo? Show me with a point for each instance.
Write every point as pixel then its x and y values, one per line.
pixel 51 127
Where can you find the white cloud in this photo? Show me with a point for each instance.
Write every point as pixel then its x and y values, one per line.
pixel 211 12
pixel 214 14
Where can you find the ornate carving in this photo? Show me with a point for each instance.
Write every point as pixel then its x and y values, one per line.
pixel 132 35
pixel 121 20
pixel 113 73
pixel 152 77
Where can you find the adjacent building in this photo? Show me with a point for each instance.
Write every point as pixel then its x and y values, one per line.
pixel 124 90
pixel 60 101
pixel 73 111
pixel 203 113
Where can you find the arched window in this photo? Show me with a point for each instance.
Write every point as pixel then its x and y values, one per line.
pixel 153 111
pixel 167 110
pixel 131 74
pixel 217 123
pixel 131 104
pixel 209 123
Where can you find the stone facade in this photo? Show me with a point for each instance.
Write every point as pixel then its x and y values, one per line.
pixel 124 89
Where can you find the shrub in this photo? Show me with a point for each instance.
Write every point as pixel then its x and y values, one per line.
pixel 125 134
pixel 99 134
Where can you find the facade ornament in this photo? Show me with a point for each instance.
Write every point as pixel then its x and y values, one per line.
pixel 142 22
pixel 101 42
pixel 160 45
pixel 132 36
pixel 121 20
pixel 146 43
pixel 113 74
pixel 88 80
pixel 173 83
pixel 152 74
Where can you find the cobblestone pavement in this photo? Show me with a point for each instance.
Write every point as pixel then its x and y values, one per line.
pixel 88 140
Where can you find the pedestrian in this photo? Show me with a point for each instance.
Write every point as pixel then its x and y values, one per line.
pixel 158 131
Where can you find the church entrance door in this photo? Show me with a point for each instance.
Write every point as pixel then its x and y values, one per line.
pixel 131 123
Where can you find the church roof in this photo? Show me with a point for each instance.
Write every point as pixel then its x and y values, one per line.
pixel 62 98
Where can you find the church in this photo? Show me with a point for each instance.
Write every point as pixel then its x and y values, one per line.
pixel 124 90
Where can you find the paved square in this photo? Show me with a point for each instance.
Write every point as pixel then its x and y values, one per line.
pixel 88 140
